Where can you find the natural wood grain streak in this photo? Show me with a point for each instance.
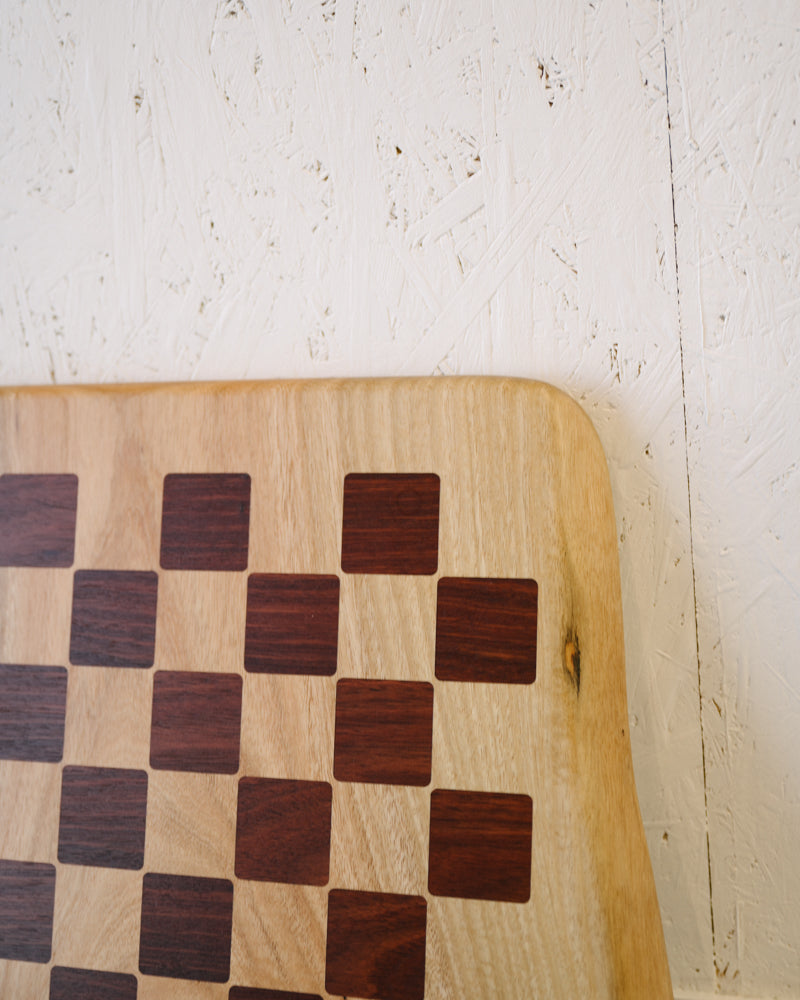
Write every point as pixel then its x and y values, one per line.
pixel 89 984
pixel 32 708
pixel 383 732
pixel 283 831
pixel 601 768
pixel 390 523
pixel 27 893
pixel 486 630
pixel 376 945
pixel 205 521
pixel 186 927
pixel 113 618
pixel 252 993
pixel 292 624
pixel 102 821
pixel 480 846
pixel 37 520
pixel 196 722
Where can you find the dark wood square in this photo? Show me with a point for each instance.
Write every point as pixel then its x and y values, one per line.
pixel 486 630
pixel 205 521
pixel 480 846
pixel 283 831
pixel 37 520
pixel 89 984
pixel 292 624
pixel 186 927
pixel 33 703
pixel 27 895
pixel 384 731
pixel 196 722
pixel 390 523
pixel 376 945
pixel 253 993
pixel 113 618
pixel 103 813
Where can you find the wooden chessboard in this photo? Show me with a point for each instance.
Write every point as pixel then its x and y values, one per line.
pixel 315 689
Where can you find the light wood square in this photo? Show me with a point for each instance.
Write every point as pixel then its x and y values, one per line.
pixel 201 620
pixel 37 612
pixel 279 936
pixel 24 979
pixel 97 918
pixel 379 838
pixel 157 988
pixel 30 794
pixel 287 726
pixel 108 717
pixel 387 627
pixel 191 824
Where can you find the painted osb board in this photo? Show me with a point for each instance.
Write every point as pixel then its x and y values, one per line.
pixel 736 138
pixel 309 189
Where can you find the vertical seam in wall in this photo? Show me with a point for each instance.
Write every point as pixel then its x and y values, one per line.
pixel 688 485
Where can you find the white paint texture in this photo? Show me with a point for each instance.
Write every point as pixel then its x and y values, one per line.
pixel 734 100
pixel 252 189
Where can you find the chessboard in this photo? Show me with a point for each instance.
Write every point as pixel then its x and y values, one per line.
pixel 315 689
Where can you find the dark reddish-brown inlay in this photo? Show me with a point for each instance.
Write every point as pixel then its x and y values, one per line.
pixel 32 706
pixel 383 732
pixel 103 811
pixel 205 521
pixel 486 630
pixel 390 523
pixel 88 984
pixel 113 618
pixel 196 722
pixel 376 945
pixel 27 895
pixel 186 927
pixel 37 520
pixel 283 831
pixel 251 993
pixel 292 624
pixel 480 846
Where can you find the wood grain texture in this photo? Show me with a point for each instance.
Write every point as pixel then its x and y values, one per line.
pixel 89 984
pixel 292 624
pixel 390 523
pixel 186 927
pixel 27 893
pixel 191 823
pixel 486 630
pixel 283 831
pixel 32 707
pixel 511 507
pixel 384 731
pixel 37 520
pixel 279 936
pixel 253 993
pixel 108 717
pixel 376 945
pixel 205 521
pixel 96 919
pixel 102 822
pixel 480 846
pixel 113 618
pixel 29 803
pixel 196 722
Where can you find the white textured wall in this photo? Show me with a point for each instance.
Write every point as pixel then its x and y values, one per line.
pixel 251 188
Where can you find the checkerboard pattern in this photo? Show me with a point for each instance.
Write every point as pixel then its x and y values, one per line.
pixel 480 843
